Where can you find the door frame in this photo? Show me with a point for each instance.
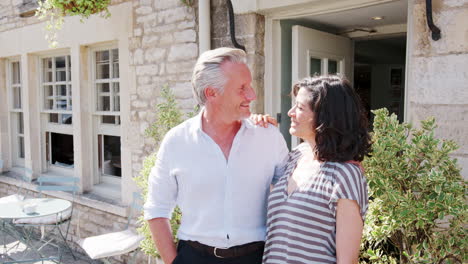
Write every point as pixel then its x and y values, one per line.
pixel 272 48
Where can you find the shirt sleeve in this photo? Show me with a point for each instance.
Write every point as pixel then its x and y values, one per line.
pixel 162 187
pixel 350 184
pixel 282 158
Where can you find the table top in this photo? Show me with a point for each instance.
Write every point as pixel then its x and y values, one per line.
pixel 44 207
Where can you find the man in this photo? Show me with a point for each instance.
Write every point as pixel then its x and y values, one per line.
pixel 217 167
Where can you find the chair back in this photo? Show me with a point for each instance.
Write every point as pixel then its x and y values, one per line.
pixel 58 183
pixel 135 207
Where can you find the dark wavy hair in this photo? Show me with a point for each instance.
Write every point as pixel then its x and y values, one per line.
pixel 341 126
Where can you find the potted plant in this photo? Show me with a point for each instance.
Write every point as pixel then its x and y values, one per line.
pixel 54 12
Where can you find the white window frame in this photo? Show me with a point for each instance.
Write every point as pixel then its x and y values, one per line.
pixel 15 112
pixel 50 127
pixel 54 83
pixel 99 128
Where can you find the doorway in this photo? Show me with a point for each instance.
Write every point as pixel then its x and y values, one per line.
pixel 367 45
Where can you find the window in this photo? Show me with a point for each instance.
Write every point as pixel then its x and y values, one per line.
pixel 16 113
pixel 57 115
pixel 107 115
pixel 56 85
pixel 59 149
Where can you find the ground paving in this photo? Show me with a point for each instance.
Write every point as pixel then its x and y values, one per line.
pixel 13 249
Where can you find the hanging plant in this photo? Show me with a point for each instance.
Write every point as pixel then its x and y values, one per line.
pixel 188 3
pixel 54 12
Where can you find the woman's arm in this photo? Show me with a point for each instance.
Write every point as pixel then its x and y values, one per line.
pixel 349 227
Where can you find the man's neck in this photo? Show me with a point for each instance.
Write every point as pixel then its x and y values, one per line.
pixel 221 131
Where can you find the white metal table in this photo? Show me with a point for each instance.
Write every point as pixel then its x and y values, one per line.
pixel 14 211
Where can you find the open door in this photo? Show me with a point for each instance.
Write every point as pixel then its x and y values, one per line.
pixel 316 52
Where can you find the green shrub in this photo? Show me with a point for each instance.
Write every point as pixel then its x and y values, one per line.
pixel 417 210
pixel 168 115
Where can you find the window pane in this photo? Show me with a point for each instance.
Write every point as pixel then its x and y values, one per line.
pixel 116 96
pixel 61 90
pixel 49 104
pixel 66 119
pixel 108 120
pixel 102 64
pixel 17 97
pixel 16 73
pixel 60 69
pixel 103 88
pixel 69 68
pixel 62 150
pixel 104 103
pixel 20 123
pixel 111 156
pixel 53 118
pixel 47 69
pixel 61 103
pixel 21 147
pixel 48 90
pixel 315 66
pixel 115 63
pixel 332 66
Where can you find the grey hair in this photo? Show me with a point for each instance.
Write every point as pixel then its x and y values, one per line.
pixel 207 71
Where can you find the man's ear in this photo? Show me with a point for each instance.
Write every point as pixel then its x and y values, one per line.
pixel 210 93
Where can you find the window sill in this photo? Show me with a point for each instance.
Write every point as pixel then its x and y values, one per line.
pixel 93 200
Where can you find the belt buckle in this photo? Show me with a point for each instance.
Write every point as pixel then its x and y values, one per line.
pixel 216 255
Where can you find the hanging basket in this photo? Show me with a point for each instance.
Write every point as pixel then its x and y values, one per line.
pixel 82 8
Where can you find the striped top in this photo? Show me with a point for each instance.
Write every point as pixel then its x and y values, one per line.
pixel 301 228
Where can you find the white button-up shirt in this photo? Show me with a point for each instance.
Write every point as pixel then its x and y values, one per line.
pixel 223 202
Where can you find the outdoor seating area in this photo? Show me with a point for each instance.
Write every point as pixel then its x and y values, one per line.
pixel 34 228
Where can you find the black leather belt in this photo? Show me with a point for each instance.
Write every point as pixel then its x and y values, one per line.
pixel 231 252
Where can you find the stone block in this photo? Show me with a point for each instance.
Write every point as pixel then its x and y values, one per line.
pixel 163 28
pixel 183 52
pixel 166 40
pixel 182 90
pixel 439 80
pixel 452 122
pixel 149 41
pixel 180 67
pixel 147 18
pixel 140 104
pixel 188 35
pixel 149 69
pixel 144 10
pixel 138 57
pixel 463 163
pixel 186 24
pixel 137 32
pixel 146 2
pixel 142 80
pixel 155 55
pixel 165 4
pixel 174 15
pixel 146 91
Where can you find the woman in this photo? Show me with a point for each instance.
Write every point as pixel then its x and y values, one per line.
pixel 316 209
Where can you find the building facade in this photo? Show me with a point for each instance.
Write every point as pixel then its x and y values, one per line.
pixel 82 109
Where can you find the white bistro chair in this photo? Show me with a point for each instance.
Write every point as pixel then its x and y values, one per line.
pixel 115 243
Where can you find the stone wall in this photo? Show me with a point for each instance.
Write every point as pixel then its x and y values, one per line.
pixel 438 76
pixel 250 32
pixel 163 51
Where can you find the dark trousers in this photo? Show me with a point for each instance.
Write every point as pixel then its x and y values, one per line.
pixel 189 255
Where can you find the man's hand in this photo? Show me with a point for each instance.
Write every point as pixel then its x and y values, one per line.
pixel 161 233
pixel 263 120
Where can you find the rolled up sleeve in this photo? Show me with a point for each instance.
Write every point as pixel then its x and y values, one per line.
pixel 162 187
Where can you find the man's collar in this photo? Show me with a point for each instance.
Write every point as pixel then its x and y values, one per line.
pixel 247 123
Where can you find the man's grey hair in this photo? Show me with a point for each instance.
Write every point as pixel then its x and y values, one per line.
pixel 207 71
